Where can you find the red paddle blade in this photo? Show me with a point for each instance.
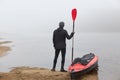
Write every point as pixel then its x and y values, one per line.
pixel 74 13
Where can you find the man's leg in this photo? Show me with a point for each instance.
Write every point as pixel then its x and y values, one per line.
pixel 55 58
pixel 63 53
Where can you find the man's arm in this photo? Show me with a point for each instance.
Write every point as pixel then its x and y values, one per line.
pixel 54 38
pixel 69 36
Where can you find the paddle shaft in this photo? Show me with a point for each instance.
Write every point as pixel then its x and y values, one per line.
pixel 73 42
pixel 74 14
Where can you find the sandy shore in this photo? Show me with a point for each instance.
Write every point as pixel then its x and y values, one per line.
pixel 27 73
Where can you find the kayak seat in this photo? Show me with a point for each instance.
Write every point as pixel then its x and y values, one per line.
pixel 84 60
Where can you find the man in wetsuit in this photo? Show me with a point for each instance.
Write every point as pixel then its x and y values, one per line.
pixel 59 42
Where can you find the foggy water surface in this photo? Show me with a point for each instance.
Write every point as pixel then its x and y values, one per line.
pixel 37 51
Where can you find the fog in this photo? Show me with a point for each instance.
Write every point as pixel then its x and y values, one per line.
pixel 34 16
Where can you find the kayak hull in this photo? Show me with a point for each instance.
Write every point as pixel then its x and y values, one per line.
pixel 78 69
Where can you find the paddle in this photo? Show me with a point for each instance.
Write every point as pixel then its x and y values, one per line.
pixel 74 14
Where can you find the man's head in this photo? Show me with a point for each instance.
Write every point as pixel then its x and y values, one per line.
pixel 61 24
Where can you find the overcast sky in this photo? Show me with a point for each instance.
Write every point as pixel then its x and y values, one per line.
pixel 44 15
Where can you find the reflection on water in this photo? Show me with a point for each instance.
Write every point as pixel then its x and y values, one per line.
pixel 37 51
pixel 92 75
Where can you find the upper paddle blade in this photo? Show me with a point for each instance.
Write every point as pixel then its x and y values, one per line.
pixel 74 14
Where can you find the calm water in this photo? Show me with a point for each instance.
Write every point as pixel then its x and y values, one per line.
pixel 37 51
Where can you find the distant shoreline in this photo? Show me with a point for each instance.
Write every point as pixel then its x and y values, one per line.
pixel 4 49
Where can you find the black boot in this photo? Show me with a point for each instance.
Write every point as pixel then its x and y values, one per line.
pixel 62 66
pixel 62 70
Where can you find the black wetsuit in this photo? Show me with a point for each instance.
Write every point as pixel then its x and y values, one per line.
pixel 59 41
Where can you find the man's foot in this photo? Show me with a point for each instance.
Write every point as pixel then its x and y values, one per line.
pixel 62 70
pixel 53 69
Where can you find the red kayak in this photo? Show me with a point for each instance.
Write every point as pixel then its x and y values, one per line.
pixel 83 65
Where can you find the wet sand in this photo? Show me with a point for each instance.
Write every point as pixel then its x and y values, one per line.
pixel 4 49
